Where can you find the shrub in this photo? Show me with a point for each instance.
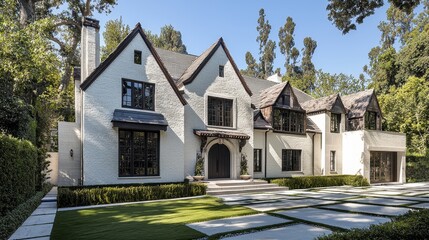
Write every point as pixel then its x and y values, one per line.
pixel 13 219
pixel 321 181
pixel 412 225
pixel 18 161
pixel 417 168
pixel 69 197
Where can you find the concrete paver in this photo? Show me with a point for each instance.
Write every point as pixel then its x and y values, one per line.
pixel 39 219
pixel 32 231
pixel 236 223
pixel 421 205
pixel 382 201
pixel 292 232
pixel 285 204
pixel 334 218
pixel 365 208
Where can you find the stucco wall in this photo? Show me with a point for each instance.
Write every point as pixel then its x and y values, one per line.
pixel 208 83
pixel 353 152
pixel 53 168
pixel 100 139
pixel 68 166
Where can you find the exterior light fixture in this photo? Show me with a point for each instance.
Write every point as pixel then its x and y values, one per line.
pixel 71 152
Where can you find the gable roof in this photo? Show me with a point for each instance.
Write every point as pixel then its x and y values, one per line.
pixel 269 96
pixel 106 63
pixel 176 63
pixel 321 104
pixel 195 68
pixel 259 121
pixel 357 103
pixel 257 85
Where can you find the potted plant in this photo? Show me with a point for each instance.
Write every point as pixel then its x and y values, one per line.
pixel 243 168
pixel 199 168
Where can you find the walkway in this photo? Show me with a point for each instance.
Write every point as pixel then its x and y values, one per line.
pixel 306 214
pixel 39 224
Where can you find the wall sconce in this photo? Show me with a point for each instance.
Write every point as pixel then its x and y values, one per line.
pixel 71 152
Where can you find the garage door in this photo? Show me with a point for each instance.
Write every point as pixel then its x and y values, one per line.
pixel 383 167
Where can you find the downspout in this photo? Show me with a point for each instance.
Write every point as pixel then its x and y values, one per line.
pixel 265 154
pixel 81 137
pixel 312 154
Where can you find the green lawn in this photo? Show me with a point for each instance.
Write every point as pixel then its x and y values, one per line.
pixel 157 220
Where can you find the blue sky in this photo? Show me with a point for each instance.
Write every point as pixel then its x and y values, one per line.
pixel 203 22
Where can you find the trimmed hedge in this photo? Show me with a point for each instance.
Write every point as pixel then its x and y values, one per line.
pixel 13 219
pixel 18 160
pixel 321 181
pixel 68 197
pixel 417 168
pixel 412 225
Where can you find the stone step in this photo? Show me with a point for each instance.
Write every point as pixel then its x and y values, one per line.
pixel 249 190
pixel 241 186
pixel 239 182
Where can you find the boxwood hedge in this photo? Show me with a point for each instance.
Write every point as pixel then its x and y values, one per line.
pixel 71 197
pixel 321 181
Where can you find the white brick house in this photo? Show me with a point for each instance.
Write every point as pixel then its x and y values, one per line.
pixel 144 114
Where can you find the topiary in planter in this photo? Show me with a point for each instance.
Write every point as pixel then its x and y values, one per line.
pixel 199 165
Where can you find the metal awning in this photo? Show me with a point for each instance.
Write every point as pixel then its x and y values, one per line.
pixel 139 120
pixel 221 134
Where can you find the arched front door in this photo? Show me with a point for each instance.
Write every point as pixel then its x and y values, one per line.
pixel 219 161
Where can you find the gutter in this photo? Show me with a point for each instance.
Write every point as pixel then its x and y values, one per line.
pixel 265 154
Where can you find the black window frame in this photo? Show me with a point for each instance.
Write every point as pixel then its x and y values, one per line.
pixel 257 160
pixel 294 156
pixel 333 161
pixel 221 71
pixel 137 57
pixel 371 120
pixel 132 153
pixel 143 100
pixel 335 122
pixel 290 122
pixel 223 119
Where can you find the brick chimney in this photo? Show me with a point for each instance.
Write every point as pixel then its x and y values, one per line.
pixel 90 46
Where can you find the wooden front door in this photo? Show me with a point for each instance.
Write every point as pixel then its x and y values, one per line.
pixel 219 161
pixel 383 167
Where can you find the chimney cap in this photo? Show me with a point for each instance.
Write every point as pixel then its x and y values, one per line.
pixel 90 22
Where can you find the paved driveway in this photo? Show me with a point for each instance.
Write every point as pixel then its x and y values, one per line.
pixel 306 214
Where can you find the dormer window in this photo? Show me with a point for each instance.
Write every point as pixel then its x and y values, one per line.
pixel 335 122
pixel 285 99
pixel 371 120
pixel 139 95
pixel 137 57
pixel 285 120
pixel 221 71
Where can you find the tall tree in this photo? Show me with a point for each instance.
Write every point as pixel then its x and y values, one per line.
pixel 170 39
pixel 287 43
pixel 252 66
pixel 345 14
pixel 306 81
pixel 266 47
pixel 327 84
pixel 115 32
pixel 268 59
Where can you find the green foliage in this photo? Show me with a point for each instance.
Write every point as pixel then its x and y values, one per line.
pixel 18 168
pixel 417 168
pixel 115 32
pixel 68 197
pixel 412 225
pixel 252 66
pixel 321 181
pixel 266 46
pixel 287 43
pixel 327 84
pixel 13 219
pixel 169 39
pixel 243 165
pixel 199 165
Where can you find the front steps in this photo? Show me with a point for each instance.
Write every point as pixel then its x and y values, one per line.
pixel 222 187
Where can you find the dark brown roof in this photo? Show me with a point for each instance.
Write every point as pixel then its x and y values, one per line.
pixel 320 104
pixel 257 85
pixel 357 103
pixel 194 69
pixel 221 134
pixel 103 66
pixel 259 122
pixel 176 63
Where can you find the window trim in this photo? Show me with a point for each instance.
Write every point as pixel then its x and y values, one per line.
pixel 138 52
pixel 233 112
pixel 143 83
pixel 221 71
pixel 259 159
pixel 337 122
pixel 334 155
pixel 304 132
pixel 300 160
pixel 158 155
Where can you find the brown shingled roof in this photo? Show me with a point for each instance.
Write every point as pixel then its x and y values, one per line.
pixel 357 103
pixel 320 104
pixel 268 97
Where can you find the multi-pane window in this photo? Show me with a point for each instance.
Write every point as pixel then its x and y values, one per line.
pixel 220 112
pixel 332 162
pixel 221 71
pixel 138 153
pixel 137 57
pixel 371 120
pixel 291 160
pixel 285 99
pixel 257 160
pixel 335 122
pixel 138 95
pixel 288 121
